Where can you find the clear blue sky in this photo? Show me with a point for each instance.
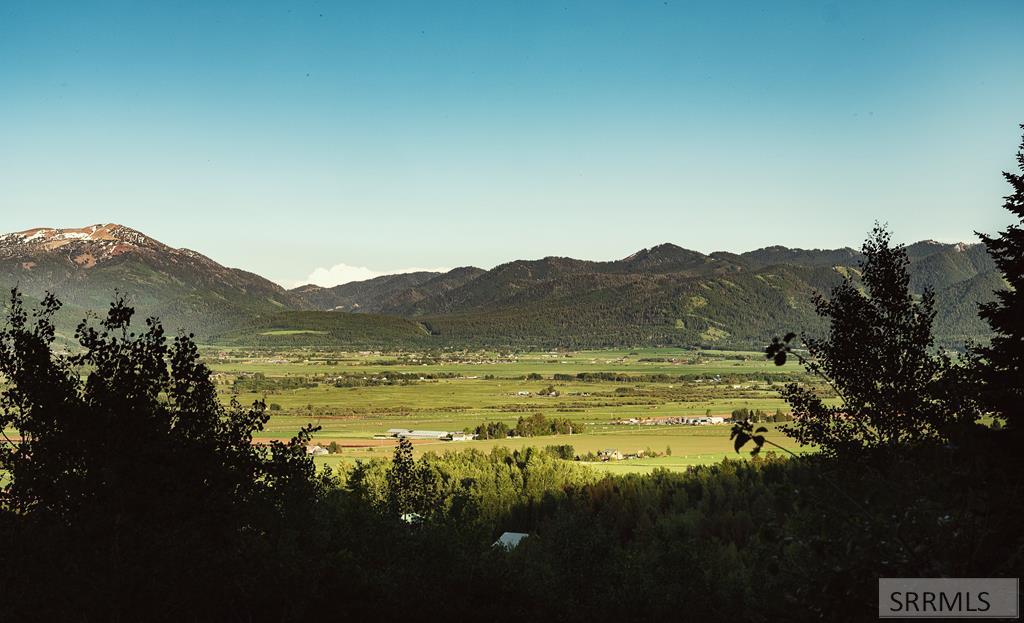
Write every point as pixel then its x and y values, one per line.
pixel 281 137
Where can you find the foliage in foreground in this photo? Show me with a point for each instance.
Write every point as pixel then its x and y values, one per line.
pixel 129 476
pixel 879 357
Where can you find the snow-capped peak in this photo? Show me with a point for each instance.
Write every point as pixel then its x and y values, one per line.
pixel 86 246
pixel 108 231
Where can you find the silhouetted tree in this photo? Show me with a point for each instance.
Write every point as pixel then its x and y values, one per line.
pixel 878 357
pixel 411 487
pixel 1002 362
pixel 131 485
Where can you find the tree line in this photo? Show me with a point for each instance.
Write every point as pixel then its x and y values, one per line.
pixel 535 425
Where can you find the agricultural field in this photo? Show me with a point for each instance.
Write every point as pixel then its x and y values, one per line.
pixel 356 396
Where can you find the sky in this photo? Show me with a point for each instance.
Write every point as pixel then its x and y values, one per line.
pixel 331 141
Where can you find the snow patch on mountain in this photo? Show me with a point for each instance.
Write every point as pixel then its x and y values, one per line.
pixel 98 242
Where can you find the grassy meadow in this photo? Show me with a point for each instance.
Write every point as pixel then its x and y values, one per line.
pixel 455 391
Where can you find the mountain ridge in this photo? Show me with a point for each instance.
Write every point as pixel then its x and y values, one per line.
pixel 663 294
pixel 86 266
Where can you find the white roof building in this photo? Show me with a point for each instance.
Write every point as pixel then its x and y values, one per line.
pixel 510 540
pixel 425 434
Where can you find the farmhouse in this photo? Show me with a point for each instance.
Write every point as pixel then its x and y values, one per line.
pixel 609 454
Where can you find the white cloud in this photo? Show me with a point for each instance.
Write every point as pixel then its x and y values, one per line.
pixel 344 273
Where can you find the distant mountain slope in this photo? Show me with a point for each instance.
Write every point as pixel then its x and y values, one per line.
pixel 85 267
pixel 387 292
pixel 364 296
pixel 948 265
pixel 615 310
pixel 957 307
pixel 668 258
pixel 661 295
pixel 439 286
pixel 771 256
pixel 670 295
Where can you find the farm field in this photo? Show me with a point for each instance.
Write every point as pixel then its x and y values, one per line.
pixel 356 397
pixel 691 445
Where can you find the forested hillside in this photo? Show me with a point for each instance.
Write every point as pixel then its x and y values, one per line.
pixel 664 295
pixel 386 292
pixel 667 295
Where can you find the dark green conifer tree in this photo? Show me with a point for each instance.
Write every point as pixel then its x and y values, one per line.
pixel 1002 362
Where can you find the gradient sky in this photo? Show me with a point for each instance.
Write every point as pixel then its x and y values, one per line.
pixel 286 137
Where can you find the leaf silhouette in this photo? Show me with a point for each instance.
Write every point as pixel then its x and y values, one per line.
pixel 741 440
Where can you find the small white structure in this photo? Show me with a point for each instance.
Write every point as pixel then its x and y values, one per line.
pixel 441 435
pixel 417 434
pixel 609 454
pixel 317 450
pixel 427 434
pixel 510 540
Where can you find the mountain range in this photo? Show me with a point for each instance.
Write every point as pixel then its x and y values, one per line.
pixel 663 295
